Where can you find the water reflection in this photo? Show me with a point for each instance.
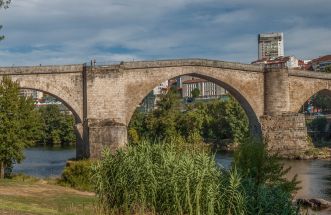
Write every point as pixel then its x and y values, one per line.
pixel 44 162
pixel 315 178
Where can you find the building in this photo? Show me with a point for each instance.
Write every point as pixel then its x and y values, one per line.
pixel 270 45
pixel 149 102
pixel 321 63
pixel 34 94
pixel 290 62
pixel 207 89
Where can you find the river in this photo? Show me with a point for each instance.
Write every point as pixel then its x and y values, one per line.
pixel 315 175
pixel 44 162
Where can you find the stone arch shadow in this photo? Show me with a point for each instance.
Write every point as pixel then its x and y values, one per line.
pixel 254 124
pixel 78 120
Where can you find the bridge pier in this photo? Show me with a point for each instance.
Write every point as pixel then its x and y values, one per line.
pixel 283 131
pixel 105 134
pixel 82 147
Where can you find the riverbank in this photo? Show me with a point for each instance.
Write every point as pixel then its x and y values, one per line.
pixel 311 153
pixel 27 195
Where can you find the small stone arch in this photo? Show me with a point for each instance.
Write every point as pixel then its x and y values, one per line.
pixel 303 100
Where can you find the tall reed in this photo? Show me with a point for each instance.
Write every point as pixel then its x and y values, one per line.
pixel 166 179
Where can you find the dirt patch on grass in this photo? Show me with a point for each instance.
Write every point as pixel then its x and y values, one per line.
pixel 40 189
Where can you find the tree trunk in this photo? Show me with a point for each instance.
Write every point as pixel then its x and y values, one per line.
pixel 2 170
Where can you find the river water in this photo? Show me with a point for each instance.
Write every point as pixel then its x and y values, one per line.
pixel 44 162
pixel 315 175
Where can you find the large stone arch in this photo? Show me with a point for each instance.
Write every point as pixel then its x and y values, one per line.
pixel 246 87
pixel 302 88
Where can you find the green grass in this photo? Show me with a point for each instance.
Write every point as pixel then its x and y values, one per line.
pixel 38 197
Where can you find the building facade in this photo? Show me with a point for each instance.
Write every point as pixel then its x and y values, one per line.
pixel 34 94
pixel 270 45
pixel 290 62
pixel 207 89
pixel 321 63
pixel 149 102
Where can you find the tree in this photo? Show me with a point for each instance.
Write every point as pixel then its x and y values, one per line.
pixel 327 69
pixel 227 120
pixel 3 4
pixel 19 125
pixel 322 102
pixel 162 122
pixel 195 93
pixel 264 178
pixel 58 127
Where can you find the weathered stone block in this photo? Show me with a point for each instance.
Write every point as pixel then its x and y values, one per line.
pixel 285 133
pixel 105 134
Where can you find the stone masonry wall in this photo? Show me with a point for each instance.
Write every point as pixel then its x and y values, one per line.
pixel 285 134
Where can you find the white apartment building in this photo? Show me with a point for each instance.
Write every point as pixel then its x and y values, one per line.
pixel 207 89
pixel 31 93
pixel 271 45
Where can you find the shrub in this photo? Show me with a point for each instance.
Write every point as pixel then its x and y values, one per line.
pixel 78 174
pixel 264 181
pixel 263 199
pixel 166 179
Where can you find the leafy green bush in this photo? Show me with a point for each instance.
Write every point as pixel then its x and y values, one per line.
pixel 318 124
pixel 166 179
pixel 78 174
pixel 264 181
pixel 264 199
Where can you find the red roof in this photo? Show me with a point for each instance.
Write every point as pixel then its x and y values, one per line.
pixel 194 81
pixel 321 59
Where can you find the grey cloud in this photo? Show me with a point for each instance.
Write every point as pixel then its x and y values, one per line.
pixel 159 29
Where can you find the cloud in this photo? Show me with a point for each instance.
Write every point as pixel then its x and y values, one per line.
pixel 75 31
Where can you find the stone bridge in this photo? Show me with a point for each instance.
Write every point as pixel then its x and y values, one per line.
pixel 103 98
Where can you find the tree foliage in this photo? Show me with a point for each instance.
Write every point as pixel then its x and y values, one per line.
pixel 58 127
pixel 318 124
pixel 322 102
pixel 19 124
pixel 327 69
pixel 3 4
pixel 195 93
pixel 212 120
pixel 264 179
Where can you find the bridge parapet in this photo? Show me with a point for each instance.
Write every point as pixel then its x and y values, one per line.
pixel 192 62
pixel 310 74
pixel 28 70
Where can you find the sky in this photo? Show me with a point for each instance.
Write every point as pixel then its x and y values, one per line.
pixel 75 31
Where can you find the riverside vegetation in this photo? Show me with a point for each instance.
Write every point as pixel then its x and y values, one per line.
pixel 22 126
pixel 167 168
pixel 177 177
